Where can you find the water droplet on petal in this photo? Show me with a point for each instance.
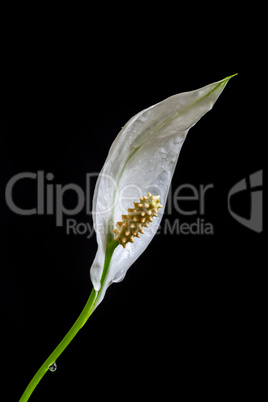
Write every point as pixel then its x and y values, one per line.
pixel 53 367
pixel 177 140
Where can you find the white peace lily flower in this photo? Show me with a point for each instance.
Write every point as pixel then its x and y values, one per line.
pixel 141 160
pixel 138 170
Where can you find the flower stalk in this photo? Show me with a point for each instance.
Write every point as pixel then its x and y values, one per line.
pixel 79 323
pixel 83 317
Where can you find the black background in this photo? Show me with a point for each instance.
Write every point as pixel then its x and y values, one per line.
pixel 186 319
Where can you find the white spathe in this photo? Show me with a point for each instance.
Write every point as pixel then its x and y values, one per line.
pixel 142 159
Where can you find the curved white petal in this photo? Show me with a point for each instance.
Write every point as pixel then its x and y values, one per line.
pixel 142 159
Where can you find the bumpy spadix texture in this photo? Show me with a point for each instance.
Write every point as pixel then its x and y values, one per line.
pixel 138 217
pixel 142 159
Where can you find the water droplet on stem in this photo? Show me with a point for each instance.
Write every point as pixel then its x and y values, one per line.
pixel 53 367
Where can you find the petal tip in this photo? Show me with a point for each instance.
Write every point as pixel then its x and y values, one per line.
pixel 226 79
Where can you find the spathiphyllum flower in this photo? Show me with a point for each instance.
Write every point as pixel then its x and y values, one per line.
pixel 141 160
pixel 131 192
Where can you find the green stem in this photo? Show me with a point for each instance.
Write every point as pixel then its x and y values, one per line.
pixel 81 320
